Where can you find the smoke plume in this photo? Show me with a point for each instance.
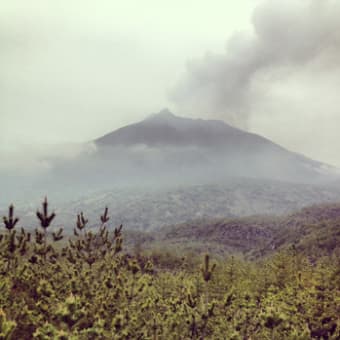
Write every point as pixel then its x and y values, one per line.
pixel 293 45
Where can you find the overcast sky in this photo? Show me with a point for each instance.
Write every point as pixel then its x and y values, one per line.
pixel 72 70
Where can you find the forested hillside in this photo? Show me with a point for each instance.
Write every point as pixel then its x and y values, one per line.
pixel 314 230
pixel 90 287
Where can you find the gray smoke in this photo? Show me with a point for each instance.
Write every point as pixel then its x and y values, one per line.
pixel 288 38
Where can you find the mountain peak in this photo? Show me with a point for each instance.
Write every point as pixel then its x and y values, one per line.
pixel 163 115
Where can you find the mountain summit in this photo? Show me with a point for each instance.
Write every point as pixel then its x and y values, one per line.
pixel 166 129
pixel 163 115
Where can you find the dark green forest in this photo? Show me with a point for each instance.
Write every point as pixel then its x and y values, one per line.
pixel 254 278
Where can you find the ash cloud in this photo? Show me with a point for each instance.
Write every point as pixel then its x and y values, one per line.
pixel 291 42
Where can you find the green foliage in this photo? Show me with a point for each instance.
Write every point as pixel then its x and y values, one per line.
pixel 87 287
pixel 6 327
pixel 315 231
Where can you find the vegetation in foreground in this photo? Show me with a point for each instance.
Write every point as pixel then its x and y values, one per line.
pixel 88 288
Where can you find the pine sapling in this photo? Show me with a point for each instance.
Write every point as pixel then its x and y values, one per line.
pixel 57 236
pixel 45 219
pixel 206 269
pixel 81 221
pixel 10 221
pixel 104 218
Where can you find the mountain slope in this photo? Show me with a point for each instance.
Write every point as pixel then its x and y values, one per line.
pixel 169 143
pixel 166 129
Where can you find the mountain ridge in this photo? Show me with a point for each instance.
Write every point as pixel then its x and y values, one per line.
pixel 167 120
pixel 216 143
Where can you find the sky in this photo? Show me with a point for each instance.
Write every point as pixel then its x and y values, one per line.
pixel 73 70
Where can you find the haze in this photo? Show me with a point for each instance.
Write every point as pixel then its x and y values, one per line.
pixel 72 71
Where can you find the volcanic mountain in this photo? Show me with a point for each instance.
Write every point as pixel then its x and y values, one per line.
pixel 198 147
pixel 167 151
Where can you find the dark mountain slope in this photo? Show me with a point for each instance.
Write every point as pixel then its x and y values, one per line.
pixel 164 143
pixel 166 129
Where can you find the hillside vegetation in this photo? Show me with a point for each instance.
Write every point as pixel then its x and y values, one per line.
pixel 88 287
pixel 148 209
pixel 314 231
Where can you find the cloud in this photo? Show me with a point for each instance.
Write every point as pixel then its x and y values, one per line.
pixel 291 42
pixel 35 160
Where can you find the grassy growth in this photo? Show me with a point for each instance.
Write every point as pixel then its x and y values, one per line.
pixel 87 287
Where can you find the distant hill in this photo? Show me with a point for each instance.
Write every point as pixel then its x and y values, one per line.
pixel 147 209
pixel 314 231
